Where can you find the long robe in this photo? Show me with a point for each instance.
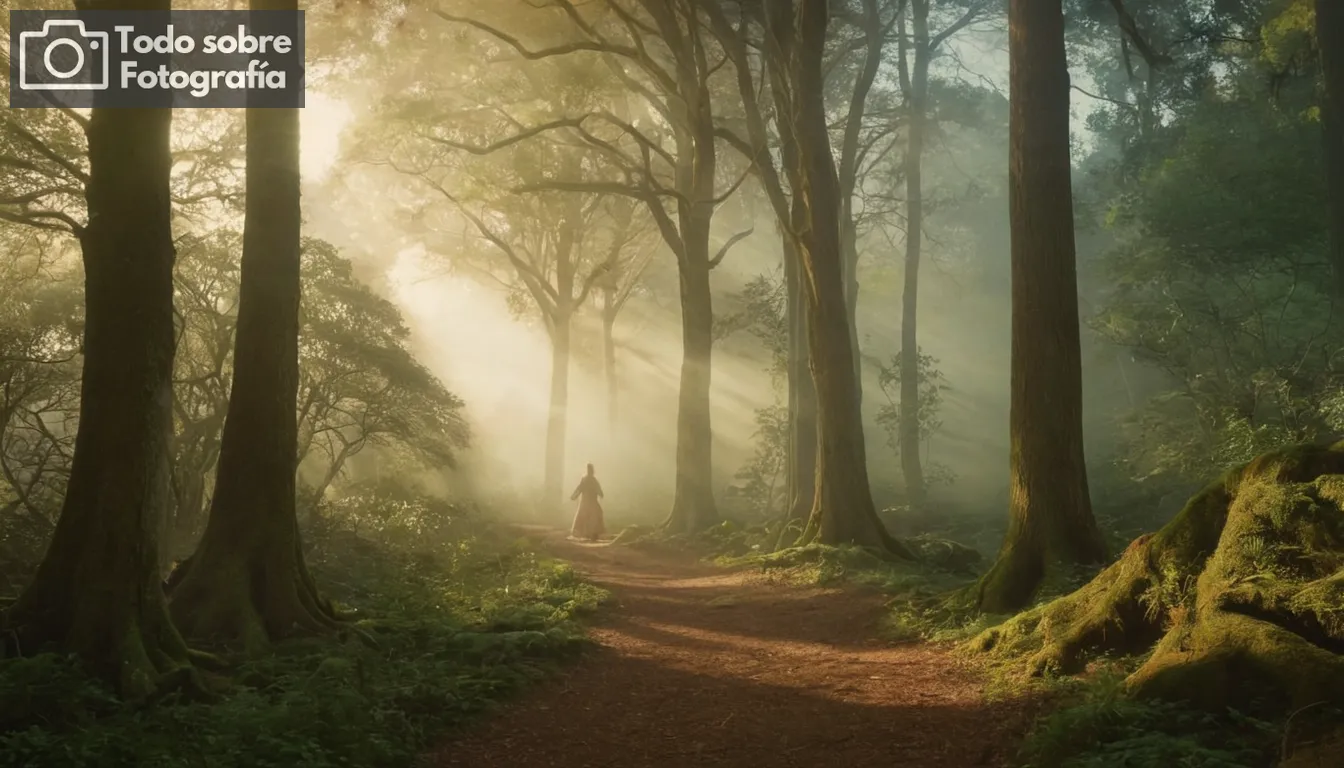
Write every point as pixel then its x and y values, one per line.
pixel 588 518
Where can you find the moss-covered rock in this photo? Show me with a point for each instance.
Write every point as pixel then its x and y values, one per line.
pixel 1242 593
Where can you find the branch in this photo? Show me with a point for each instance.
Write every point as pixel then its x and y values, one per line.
pixel 60 222
pixel 734 240
pixel 540 287
pixel 966 20
pixel 41 147
pixel 1130 28
pixel 574 46
pixel 567 122
pixel 648 196
pixel 1099 97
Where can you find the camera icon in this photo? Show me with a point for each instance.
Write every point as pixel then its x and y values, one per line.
pixel 64 56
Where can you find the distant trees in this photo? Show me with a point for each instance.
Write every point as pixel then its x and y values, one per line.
pixel 552 251
pixel 660 149
pixel 1051 520
pixel 918 47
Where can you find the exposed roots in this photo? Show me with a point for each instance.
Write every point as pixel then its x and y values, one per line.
pixel 130 644
pixel 1242 592
pixel 233 601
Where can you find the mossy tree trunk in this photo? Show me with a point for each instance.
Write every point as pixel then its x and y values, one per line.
pixel 842 509
pixel 247 583
pixel 97 593
pixel 1237 598
pixel 1050 512
pixel 1330 39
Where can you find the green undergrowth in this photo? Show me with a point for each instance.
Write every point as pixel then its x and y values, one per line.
pixel 456 629
pixel 1097 725
pixel 1094 722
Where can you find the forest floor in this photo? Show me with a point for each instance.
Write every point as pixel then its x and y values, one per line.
pixel 701 666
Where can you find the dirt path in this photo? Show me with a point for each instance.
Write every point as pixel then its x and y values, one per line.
pixel 702 667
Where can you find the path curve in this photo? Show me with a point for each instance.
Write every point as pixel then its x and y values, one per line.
pixel 698 666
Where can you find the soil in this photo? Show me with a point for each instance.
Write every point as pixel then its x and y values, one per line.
pixel 699 666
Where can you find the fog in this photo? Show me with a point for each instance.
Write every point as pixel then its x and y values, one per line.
pixel 499 361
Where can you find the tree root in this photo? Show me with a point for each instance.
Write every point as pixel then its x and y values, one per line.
pixel 1244 589
pixel 232 605
pixel 139 653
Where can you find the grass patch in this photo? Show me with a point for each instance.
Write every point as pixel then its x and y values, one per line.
pixel 457 629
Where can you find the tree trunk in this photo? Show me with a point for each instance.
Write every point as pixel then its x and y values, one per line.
pixel 1330 39
pixel 557 421
pixel 802 451
pixel 693 507
pixel 97 593
pixel 849 175
pixel 560 317
pixel 609 359
pixel 1051 515
pixel 247 582
pixel 914 202
pixel 849 249
pixel 842 510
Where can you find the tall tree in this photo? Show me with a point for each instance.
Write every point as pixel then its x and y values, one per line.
pixel 1330 39
pixel 916 53
pixel 1050 512
pixel 854 146
pixel 915 84
pixel 843 509
pixel 247 582
pixel 97 593
pixel 736 38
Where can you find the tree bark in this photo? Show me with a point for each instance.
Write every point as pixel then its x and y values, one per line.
pixel 693 506
pixel 1051 519
pixel 849 176
pixel 843 511
pixel 247 582
pixel 914 202
pixel 561 315
pixel 97 593
pixel 802 451
pixel 790 215
pixel 609 358
pixel 557 419
pixel 1330 40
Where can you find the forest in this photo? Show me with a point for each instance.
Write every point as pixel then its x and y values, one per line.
pixel 957 373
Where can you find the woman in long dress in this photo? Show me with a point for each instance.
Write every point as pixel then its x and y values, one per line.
pixel 588 519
